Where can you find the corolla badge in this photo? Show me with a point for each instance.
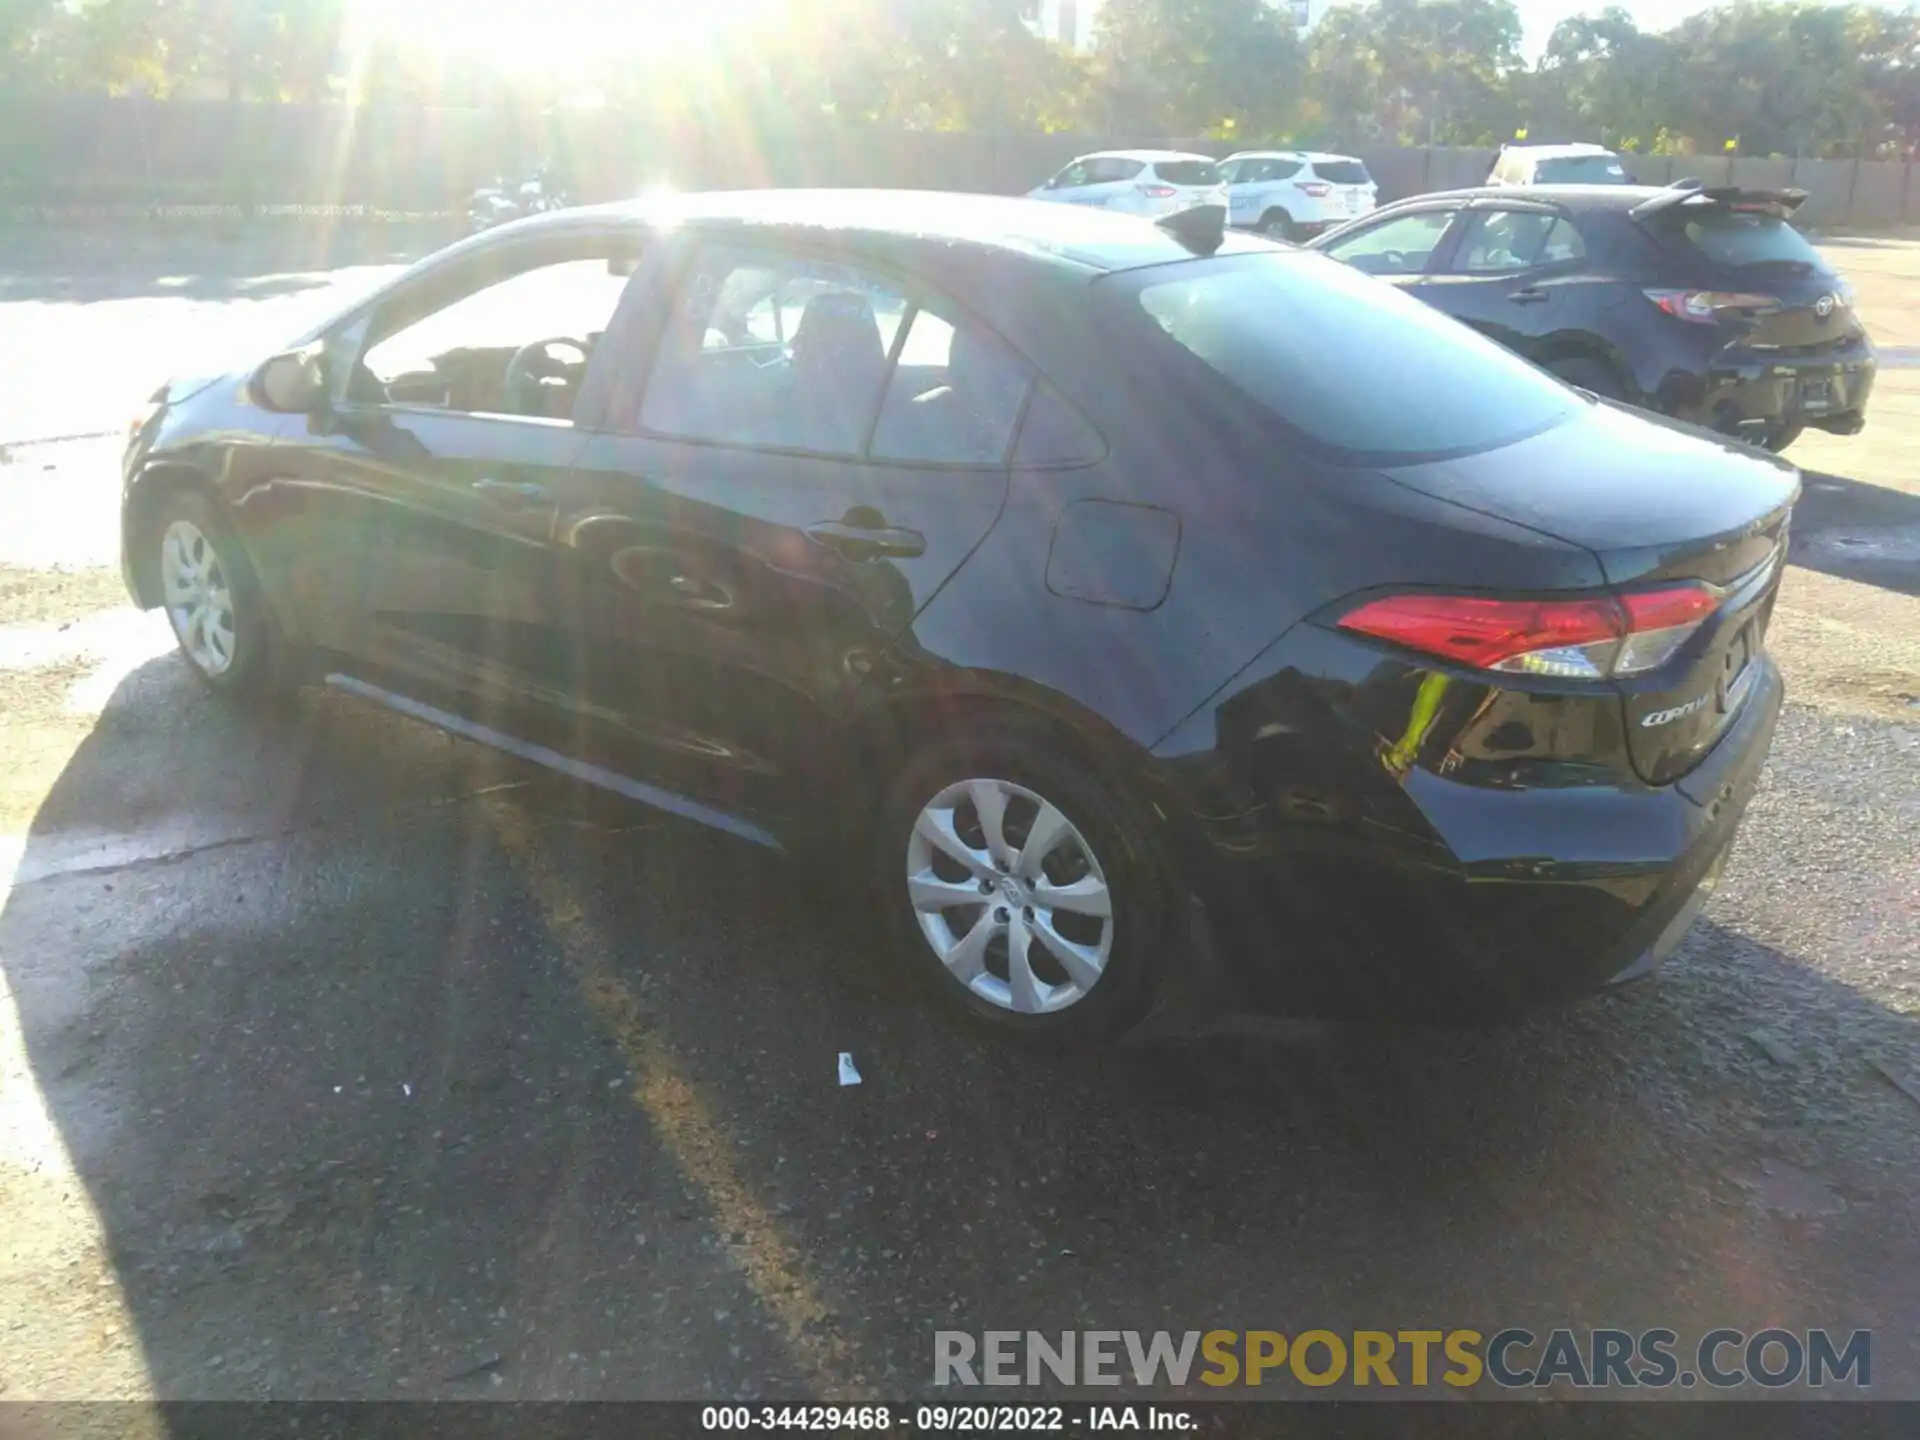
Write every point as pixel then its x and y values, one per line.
pixel 1678 712
pixel 1823 307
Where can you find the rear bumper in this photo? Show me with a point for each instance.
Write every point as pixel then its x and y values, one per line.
pixel 1745 391
pixel 1521 899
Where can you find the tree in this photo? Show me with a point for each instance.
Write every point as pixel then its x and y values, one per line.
pixel 1197 67
pixel 1603 78
pixel 1419 70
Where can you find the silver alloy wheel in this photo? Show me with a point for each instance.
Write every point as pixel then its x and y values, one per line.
pixel 198 598
pixel 993 868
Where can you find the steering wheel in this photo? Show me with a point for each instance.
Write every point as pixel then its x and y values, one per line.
pixel 1396 261
pixel 530 365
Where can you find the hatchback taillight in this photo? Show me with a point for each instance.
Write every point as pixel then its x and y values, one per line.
pixel 1315 188
pixel 1586 639
pixel 1158 192
pixel 1706 306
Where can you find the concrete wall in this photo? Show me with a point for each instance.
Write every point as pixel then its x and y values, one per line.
pixel 78 154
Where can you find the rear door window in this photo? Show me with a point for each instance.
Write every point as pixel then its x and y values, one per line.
pixel 775 351
pixel 1053 435
pixel 1349 366
pixel 1400 246
pixel 1498 241
pixel 1270 170
pixel 955 394
pixel 1111 169
pixel 1187 172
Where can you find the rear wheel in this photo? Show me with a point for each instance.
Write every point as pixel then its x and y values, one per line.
pixel 212 597
pixel 1018 886
pixel 1589 374
pixel 1778 440
pixel 1278 225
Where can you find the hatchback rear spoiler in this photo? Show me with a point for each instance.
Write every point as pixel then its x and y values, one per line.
pixel 1770 202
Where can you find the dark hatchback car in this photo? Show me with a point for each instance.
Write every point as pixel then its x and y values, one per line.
pixel 1046 564
pixel 1703 304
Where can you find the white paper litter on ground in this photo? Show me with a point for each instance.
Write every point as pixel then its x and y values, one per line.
pixel 848 1075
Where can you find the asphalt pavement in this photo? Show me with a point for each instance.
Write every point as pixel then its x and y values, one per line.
pixel 342 1059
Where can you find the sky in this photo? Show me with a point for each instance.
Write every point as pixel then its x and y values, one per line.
pixel 1540 16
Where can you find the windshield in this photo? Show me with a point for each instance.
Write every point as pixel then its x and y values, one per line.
pixel 1582 170
pixel 1733 237
pixel 1344 360
pixel 1188 172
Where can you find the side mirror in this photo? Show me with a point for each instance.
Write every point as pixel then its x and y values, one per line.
pixel 291 384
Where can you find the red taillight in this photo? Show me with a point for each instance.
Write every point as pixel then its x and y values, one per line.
pixel 1703 307
pixel 1314 188
pixel 1576 639
pixel 1158 192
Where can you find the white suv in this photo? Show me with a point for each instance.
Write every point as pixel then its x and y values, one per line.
pixel 1558 165
pixel 1139 182
pixel 1295 194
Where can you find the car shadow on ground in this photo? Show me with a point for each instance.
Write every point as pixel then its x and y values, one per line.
pixel 1858 531
pixel 394 1071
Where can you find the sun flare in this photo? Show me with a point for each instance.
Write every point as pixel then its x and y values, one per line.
pixel 530 37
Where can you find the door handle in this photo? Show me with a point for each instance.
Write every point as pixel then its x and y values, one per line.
pixel 869 542
pixel 522 492
pixel 1532 295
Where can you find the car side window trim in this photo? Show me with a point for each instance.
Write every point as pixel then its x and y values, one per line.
pixel 911 287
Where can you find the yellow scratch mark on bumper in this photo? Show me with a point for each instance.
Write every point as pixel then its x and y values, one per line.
pixel 685 1123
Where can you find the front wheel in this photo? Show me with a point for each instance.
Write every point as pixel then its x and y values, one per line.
pixel 1019 885
pixel 213 598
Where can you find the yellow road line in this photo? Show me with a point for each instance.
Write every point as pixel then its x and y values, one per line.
pixel 685 1122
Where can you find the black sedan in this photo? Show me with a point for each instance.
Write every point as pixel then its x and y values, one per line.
pixel 1703 304
pixel 1047 565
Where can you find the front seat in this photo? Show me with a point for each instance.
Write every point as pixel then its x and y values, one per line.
pixel 838 364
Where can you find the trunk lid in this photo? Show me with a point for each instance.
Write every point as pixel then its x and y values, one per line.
pixel 1655 502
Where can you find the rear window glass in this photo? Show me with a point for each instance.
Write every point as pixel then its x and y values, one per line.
pixel 1731 238
pixel 1340 358
pixel 1582 170
pixel 1342 172
pixel 1188 172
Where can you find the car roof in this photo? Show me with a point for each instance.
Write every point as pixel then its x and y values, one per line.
pixel 1308 155
pixel 1091 240
pixel 1572 197
pixel 1555 152
pixel 1148 156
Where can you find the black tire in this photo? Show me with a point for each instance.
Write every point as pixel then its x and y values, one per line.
pixel 1594 375
pixel 258 663
pixel 1278 225
pixel 1037 759
pixel 1778 440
